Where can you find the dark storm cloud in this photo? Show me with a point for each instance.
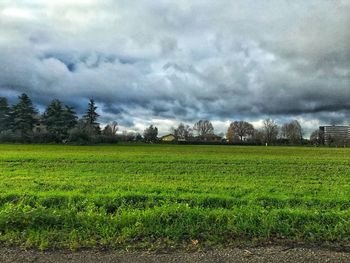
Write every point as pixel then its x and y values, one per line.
pixel 181 60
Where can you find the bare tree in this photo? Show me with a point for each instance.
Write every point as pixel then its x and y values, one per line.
pixel 203 127
pixel 182 131
pixel 293 132
pixel 317 137
pixel 114 127
pixel 231 135
pixel 270 130
pixel 259 136
pixel 111 129
pixel 239 129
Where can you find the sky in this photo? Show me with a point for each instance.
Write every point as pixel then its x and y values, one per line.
pixel 165 62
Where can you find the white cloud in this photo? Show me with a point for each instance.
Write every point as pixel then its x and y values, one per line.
pixel 18 13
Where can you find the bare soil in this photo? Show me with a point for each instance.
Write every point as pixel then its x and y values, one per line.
pixel 278 254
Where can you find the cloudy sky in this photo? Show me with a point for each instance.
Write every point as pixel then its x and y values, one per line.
pixel 168 61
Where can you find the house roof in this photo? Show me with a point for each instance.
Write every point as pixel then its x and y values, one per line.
pixel 170 134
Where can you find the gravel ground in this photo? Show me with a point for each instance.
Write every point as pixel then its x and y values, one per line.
pixel 262 254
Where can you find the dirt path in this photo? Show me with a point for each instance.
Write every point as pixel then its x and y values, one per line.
pixel 264 254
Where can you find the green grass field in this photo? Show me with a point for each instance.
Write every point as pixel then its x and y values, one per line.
pixel 167 195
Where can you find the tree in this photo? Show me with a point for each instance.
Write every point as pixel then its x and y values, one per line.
pixel 270 131
pixel 90 118
pixel 107 131
pixel 293 132
pixel 24 116
pixel 59 120
pixel 150 134
pixel 231 135
pixel 110 129
pixel 203 127
pixel 4 115
pixel 80 133
pixel 70 118
pixel 239 129
pixel 114 127
pixel 182 131
pixel 317 137
pixel 138 137
pixel 258 137
pixel 53 119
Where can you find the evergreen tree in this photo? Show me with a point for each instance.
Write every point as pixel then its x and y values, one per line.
pixel 91 116
pixel 53 118
pixel 150 134
pixel 4 115
pixel 59 120
pixel 24 116
pixel 70 118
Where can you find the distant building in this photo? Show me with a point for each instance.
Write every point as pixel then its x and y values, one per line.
pixel 168 138
pixel 337 135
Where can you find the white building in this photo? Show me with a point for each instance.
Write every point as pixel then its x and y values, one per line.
pixel 339 135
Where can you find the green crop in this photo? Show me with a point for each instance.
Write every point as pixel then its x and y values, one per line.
pixel 148 196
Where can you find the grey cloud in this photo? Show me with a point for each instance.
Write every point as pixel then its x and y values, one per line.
pixel 181 60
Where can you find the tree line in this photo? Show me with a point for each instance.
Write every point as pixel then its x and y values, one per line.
pixel 243 132
pixel 59 123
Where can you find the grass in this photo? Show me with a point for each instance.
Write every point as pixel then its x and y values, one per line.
pixel 151 196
